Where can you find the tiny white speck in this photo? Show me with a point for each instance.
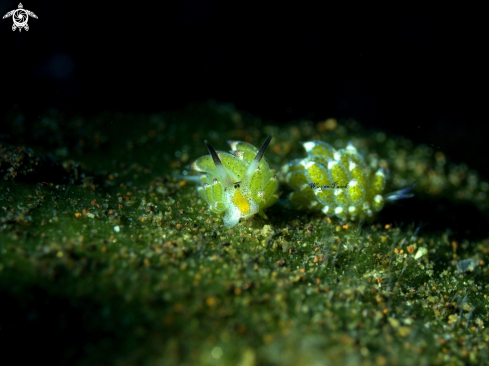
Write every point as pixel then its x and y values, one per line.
pixel 308 164
pixel 338 210
pixel 421 252
pixel 309 145
pixel 352 210
pixel 305 186
pixel 217 352
pixel 117 228
pixel 332 164
pixel 352 165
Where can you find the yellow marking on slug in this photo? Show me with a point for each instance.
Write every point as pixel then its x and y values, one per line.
pixel 241 202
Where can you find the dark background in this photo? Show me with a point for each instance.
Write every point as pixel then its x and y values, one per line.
pixel 410 69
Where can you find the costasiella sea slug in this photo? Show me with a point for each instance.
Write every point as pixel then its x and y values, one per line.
pixel 337 182
pixel 239 184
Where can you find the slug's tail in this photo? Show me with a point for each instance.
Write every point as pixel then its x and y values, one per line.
pixel 403 193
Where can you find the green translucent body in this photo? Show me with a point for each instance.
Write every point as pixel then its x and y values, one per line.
pixel 233 194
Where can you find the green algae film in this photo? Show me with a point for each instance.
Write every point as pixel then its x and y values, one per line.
pixel 145 274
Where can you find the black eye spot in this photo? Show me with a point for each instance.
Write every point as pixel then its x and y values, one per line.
pixel 236 185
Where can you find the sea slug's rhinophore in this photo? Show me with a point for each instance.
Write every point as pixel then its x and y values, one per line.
pixel 238 184
pixel 337 182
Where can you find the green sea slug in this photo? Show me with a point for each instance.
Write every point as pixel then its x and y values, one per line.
pixel 238 184
pixel 337 182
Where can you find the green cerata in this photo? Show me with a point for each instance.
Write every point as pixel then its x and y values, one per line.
pixel 337 182
pixel 239 183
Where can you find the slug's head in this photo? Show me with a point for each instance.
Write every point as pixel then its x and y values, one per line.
pixel 239 183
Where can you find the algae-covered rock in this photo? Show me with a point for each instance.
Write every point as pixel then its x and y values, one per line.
pixel 106 257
